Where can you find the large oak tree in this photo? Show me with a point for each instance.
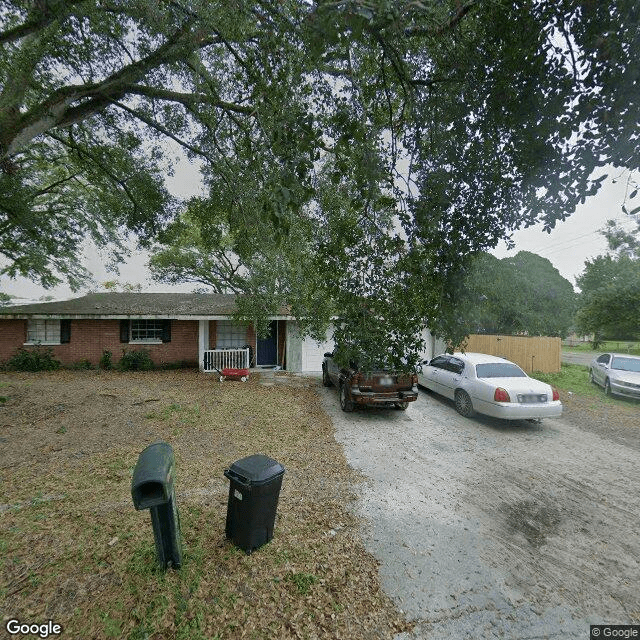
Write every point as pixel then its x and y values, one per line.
pixel 394 137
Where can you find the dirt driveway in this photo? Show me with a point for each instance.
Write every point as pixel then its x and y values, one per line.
pixel 487 529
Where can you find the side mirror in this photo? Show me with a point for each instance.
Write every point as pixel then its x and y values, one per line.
pixel 426 361
pixel 328 355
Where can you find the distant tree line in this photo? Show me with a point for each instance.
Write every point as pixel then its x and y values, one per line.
pixel 609 301
pixel 524 294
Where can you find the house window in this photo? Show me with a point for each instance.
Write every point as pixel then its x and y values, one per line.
pixel 230 335
pixel 147 330
pixel 43 331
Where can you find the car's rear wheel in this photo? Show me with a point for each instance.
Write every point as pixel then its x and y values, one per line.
pixel 402 405
pixel 607 388
pixel 464 405
pixel 345 403
pixel 326 380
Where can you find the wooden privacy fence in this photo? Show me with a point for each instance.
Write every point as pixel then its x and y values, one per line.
pixel 532 353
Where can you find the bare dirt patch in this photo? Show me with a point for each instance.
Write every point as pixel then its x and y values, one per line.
pixel 614 419
pixel 74 549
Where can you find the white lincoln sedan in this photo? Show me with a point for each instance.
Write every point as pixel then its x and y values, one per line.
pixel 489 385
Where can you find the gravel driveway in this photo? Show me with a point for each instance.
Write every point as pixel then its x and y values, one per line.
pixel 488 529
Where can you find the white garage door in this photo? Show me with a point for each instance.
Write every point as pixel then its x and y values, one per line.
pixel 313 352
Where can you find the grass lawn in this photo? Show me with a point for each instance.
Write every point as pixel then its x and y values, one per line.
pixel 617 346
pixel 574 378
pixel 75 551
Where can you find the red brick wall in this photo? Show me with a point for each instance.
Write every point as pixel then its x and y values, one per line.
pixel 13 334
pixel 89 338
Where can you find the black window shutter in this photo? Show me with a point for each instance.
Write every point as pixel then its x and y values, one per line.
pixel 124 331
pixel 166 331
pixel 65 331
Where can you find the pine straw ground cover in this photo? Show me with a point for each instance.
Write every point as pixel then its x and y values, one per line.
pixel 74 550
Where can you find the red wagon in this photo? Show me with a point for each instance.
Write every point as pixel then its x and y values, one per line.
pixel 234 374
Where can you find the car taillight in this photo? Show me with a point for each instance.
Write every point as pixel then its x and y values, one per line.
pixel 556 395
pixel 501 395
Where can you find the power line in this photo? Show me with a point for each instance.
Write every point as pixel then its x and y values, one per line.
pixel 564 244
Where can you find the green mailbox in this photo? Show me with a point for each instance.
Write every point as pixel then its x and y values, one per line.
pixel 152 487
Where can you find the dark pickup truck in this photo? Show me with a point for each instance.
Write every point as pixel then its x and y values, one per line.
pixel 376 388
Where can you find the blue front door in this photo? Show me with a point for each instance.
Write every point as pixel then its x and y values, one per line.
pixel 268 347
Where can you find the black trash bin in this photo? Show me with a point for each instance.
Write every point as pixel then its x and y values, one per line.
pixel 254 488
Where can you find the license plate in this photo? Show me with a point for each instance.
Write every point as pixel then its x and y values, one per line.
pixel 531 398
pixel 385 381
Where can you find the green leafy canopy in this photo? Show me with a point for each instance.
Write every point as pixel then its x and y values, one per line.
pixel 523 294
pixel 609 303
pixel 356 153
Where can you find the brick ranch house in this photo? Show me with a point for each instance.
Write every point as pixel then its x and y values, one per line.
pixel 174 327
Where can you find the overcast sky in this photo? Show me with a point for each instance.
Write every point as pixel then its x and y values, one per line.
pixel 567 246
pixel 577 238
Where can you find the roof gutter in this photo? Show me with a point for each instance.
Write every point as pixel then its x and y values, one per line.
pixel 130 316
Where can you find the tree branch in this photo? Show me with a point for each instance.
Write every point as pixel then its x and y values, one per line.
pixel 38 23
pixel 82 152
pixel 56 110
pixel 163 130
pixel 52 186
pixel 186 98
pixel 462 11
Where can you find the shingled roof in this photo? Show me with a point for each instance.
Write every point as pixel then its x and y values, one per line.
pixel 127 305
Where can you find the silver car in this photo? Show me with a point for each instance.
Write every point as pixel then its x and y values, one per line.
pixel 486 384
pixel 618 373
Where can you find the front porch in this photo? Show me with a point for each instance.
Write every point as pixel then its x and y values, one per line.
pixel 224 344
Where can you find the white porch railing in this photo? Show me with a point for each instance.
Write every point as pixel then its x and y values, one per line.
pixel 226 359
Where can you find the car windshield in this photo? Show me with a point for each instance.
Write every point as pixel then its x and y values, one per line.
pixel 499 370
pixel 626 364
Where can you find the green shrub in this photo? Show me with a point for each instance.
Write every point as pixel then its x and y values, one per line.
pixel 34 359
pixel 84 363
pixel 106 361
pixel 136 360
pixel 180 364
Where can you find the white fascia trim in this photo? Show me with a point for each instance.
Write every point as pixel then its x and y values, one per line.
pixel 84 316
